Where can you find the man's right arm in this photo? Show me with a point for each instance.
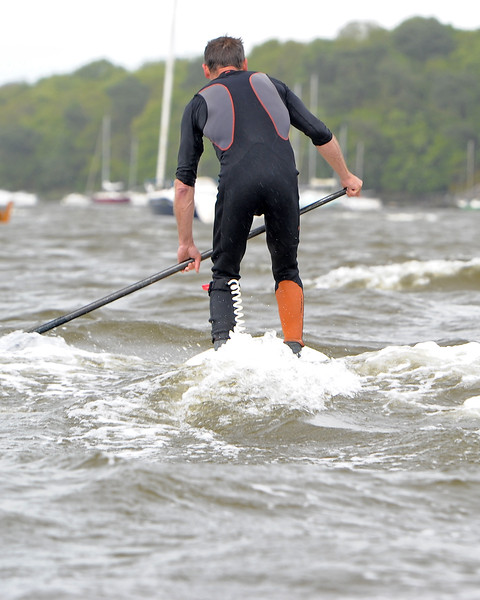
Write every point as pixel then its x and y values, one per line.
pixel 190 151
pixel 191 141
pixel 184 207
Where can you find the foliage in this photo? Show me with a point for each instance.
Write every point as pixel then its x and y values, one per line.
pixel 408 98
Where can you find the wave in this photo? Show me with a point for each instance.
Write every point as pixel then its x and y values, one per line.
pixel 250 396
pixel 411 217
pixel 424 376
pixel 128 406
pixel 258 376
pixel 410 275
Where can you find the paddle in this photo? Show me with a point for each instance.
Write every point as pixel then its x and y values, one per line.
pixel 161 275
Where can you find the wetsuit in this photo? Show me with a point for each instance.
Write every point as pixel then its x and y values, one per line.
pixel 247 116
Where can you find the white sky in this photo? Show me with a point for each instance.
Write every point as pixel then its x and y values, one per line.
pixel 43 37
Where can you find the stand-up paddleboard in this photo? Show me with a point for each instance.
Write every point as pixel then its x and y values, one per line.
pixel 241 347
pixel 256 376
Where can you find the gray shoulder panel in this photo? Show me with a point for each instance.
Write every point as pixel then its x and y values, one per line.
pixel 220 115
pixel 269 98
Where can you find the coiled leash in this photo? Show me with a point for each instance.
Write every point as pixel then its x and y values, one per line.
pixel 237 305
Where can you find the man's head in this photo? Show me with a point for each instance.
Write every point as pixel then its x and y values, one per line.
pixel 223 52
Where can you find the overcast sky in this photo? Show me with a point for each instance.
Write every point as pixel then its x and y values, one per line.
pixel 44 37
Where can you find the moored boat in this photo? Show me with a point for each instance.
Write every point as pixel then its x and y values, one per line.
pixel 110 197
pixel 161 201
pixel 5 212
pixel 112 192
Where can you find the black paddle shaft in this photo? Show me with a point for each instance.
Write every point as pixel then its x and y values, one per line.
pixel 161 275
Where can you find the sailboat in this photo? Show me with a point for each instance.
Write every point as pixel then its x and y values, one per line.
pixel 18 199
pixel 161 196
pixel 112 191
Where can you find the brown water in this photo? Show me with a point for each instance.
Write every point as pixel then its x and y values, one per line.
pixel 125 473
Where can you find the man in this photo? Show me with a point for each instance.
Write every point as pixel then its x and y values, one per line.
pixel 247 116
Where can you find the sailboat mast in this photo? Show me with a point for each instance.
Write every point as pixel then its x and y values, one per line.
pixel 106 134
pixel 166 106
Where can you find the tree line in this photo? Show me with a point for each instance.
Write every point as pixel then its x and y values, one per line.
pixel 403 103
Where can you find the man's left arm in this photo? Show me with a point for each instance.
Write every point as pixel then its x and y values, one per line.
pixel 333 154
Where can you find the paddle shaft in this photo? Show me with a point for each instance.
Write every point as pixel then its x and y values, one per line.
pixel 161 275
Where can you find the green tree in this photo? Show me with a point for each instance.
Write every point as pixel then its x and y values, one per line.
pixel 408 97
pixel 421 39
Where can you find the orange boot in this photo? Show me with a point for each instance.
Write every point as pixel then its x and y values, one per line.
pixel 290 308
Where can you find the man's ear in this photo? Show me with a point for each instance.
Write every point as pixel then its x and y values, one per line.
pixel 245 65
pixel 206 71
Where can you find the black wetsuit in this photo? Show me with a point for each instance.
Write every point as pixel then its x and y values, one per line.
pixel 247 116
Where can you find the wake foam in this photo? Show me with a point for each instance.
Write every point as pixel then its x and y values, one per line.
pixel 473 404
pixel 28 359
pixel 264 371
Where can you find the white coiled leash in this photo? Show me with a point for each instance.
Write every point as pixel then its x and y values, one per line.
pixel 237 305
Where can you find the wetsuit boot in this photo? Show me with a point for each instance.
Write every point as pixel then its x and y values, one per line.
pixel 222 315
pixel 289 297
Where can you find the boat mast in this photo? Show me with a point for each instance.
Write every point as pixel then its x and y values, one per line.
pixel 470 165
pixel 106 134
pixel 166 106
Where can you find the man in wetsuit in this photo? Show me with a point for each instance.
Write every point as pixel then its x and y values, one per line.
pixel 247 116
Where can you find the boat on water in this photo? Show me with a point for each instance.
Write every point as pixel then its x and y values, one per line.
pixel 468 203
pixel 9 200
pixel 20 198
pixel 321 187
pixel 105 196
pixel 161 201
pixel 160 196
pixel 112 192
pixel 5 212
pixel 205 199
pixel 470 200
pixel 74 199
pixel 108 198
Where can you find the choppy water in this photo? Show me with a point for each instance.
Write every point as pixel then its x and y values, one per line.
pixel 126 473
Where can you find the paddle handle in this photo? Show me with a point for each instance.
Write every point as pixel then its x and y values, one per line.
pixel 115 296
pixel 161 275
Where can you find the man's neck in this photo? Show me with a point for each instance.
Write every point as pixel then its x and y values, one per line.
pixel 225 69
pixel 221 70
pixel 210 74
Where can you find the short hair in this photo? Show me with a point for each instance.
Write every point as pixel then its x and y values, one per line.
pixel 224 51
